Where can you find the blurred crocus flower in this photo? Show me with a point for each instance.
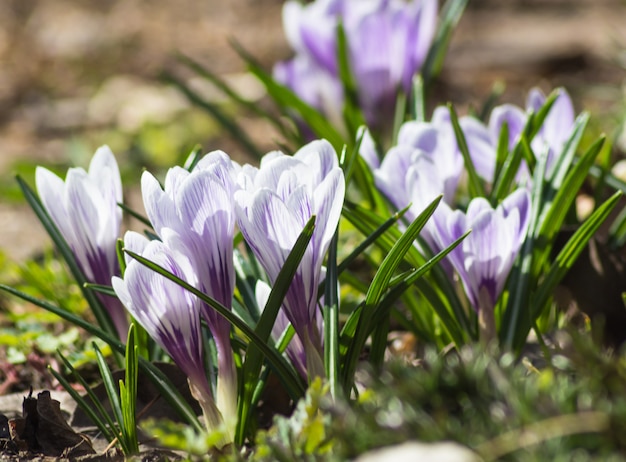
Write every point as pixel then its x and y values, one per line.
pixel 273 206
pixel 436 140
pixel 484 259
pixel 169 314
pixel 557 126
pixel 556 129
pixel 409 176
pixel 313 85
pixel 387 43
pixel 424 164
pixel 85 211
pixel 194 216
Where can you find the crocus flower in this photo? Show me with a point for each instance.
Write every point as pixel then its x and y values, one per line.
pixel 556 129
pixel 194 215
pixel 437 141
pixel 409 176
pixel 273 206
pixel 557 126
pixel 169 314
pixel 313 85
pixel 484 259
pixel 424 164
pixel 387 44
pixel 85 211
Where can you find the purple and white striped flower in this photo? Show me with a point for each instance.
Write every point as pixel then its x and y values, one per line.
pixel 194 216
pixel 273 206
pixel 85 211
pixel 387 43
pixel 169 314
pixel 556 129
pixel 484 259
pixel 409 176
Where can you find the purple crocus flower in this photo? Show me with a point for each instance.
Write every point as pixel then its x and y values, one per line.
pixel 481 148
pixel 313 85
pixel 557 126
pixel 387 44
pixel 556 129
pixel 194 216
pixel 85 211
pixel 409 176
pixel 273 206
pixel 484 259
pixel 169 314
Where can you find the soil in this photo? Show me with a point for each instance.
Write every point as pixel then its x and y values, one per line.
pixel 55 57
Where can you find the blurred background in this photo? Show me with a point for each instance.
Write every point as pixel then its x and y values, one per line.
pixel 75 74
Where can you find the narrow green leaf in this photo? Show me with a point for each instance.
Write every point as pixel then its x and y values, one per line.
pixel 399 115
pixel 281 346
pixel 475 184
pixel 193 158
pixel 136 215
pixel 516 319
pixel 449 18
pixel 382 311
pixel 444 295
pixel 379 285
pixel 100 288
pixel 98 420
pixel 128 393
pixel 617 232
pixel 353 117
pixel 502 150
pixel 610 179
pixel 331 319
pixel 418 105
pixel 396 255
pixel 370 239
pixel 565 195
pixel 570 252
pixel 96 412
pixel 536 119
pixel 119 246
pixel 109 385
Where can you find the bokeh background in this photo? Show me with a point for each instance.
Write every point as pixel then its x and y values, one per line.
pixel 75 74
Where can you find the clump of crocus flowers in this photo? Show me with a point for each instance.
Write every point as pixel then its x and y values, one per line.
pixel 426 162
pixel 387 43
pixel 194 217
pixel 196 213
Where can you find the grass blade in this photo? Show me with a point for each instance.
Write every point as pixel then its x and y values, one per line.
pixel 475 184
pixel 570 252
pixel 449 18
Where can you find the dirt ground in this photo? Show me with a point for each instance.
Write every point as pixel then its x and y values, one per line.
pixel 70 67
